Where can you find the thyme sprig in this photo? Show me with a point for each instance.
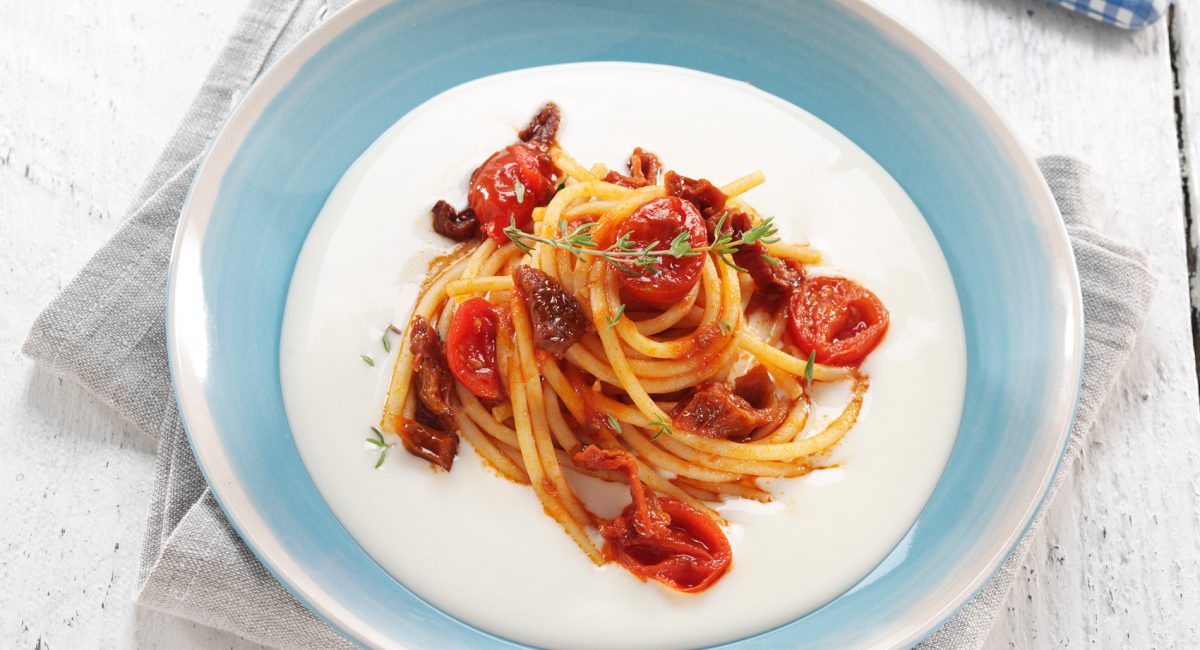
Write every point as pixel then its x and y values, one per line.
pixel 381 444
pixel 726 246
pixel 644 260
pixel 663 427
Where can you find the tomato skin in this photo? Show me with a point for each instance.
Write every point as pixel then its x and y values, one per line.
pixel 838 318
pixel 658 537
pixel 471 348
pixel 661 220
pixel 689 553
pixel 493 196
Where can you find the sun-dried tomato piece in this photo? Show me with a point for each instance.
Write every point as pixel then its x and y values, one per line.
pixel 557 317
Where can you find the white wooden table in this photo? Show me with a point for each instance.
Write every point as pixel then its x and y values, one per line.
pixel 90 91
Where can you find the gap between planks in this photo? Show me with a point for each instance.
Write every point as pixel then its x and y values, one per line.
pixel 1176 33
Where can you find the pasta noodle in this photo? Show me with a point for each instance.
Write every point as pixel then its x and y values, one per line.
pixel 641 381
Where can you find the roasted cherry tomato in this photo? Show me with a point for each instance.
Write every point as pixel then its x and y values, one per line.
pixel 658 537
pixel 688 553
pixel 838 318
pixel 509 185
pixel 658 222
pixel 471 348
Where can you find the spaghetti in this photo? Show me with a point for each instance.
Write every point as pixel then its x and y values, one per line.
pixel 642 328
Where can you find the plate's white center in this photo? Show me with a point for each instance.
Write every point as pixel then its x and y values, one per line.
pixel 480 547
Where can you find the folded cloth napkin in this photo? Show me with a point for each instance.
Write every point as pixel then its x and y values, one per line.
pixel 106 331
pixel 1129 14
pixel 1117 288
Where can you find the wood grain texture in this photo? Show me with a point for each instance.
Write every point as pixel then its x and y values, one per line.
pixel 1117 564
pixel 90 93
pixel 1186 42
pixel 93 90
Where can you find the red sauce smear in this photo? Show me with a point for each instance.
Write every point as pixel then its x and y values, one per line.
pixel 658 537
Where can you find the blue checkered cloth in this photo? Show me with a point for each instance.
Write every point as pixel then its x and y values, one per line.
pixel 1130 14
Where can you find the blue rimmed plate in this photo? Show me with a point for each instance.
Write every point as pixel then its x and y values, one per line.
pixel 310 116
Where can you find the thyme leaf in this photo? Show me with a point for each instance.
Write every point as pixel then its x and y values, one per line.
pixel 614 423
pixel 662 427
pixel 808 368
pixel 764 230
pixel 515 234
pixel 616 318
pixel 381 444
pixel 728 261
pixel 681 246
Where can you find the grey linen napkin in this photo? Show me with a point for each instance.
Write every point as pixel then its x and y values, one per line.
pixel 106 331
pixel 1117 289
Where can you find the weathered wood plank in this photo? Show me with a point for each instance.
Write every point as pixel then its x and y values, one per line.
pixel 1117 564
pixel 91 91
pixel 1185 32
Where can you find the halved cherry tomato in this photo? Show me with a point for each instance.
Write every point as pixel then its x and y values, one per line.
pixel 658 222
pixel 658 537
pixel 509 185
pixel 471 348
pixel 838 318
pixel 688 554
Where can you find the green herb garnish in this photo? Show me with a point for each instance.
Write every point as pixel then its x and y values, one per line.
pixel 521 246
pixel 629 258
pixel 662 427
pixel 381 444
pixel 616 425
pixel 681 246
pixel 387 342
pixel 726 246
pixel 808 368
pixel 367 360
pixel 616 318
pixel 519 190
pixel 726 328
